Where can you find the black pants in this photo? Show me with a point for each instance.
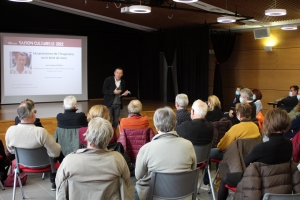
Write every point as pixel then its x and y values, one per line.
pixel 231 179
pixel 58 159
pixel 114 114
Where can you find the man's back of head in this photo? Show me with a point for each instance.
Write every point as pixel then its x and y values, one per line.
pixel 181 101
pixel 199 109
pixel 70 102
pixel 25 110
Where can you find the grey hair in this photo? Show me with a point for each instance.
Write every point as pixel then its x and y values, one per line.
pixel 135 106
pixel 25 110
pixel 69 102
pixel 182 100
pixel 99 132
pixel 200 108
pixel 164 119
pixel 246 92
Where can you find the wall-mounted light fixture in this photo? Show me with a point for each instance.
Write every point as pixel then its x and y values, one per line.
pixel 268 48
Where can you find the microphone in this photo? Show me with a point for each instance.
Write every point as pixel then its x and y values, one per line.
pixel 124 95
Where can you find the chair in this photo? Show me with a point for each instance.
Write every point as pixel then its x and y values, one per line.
pixel 168 185
pixel 220 128
pixel 202 154
pixel 133 139
pixel 232 190
pixel 269 196
pixel 68 139
pixel 32 161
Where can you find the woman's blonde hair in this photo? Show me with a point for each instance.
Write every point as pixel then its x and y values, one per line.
pixel 214 101
pixel 98 111
pixel 276 120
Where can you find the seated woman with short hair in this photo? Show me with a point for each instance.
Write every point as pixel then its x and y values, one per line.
pixel 134 120
pixel 96 111
pixel 95 164
pixel 214 113
pixel 276 151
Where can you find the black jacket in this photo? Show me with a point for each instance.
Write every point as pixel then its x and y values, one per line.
pixel 108 90
pixel 71 119
pixel 288 103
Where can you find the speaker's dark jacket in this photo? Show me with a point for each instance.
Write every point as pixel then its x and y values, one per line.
pixel 108 90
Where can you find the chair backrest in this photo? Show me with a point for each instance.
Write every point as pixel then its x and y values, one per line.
pixel 220 128
pixel 202 152
pixel 34 158
pixel 269 196
pixel 173 185
pixel 68 139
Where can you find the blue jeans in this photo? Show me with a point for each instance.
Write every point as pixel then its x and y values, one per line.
pixel 136 196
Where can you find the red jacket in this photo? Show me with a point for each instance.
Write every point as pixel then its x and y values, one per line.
pixel 133 139
pixel 296 150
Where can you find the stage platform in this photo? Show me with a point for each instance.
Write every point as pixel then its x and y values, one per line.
pixel 47 112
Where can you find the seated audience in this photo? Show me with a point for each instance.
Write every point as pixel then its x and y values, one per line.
pixel 181 103
pixel 198 131
pixel 296 147
pixel 27 135
pixel 291 101
pixel 246 96
pixel 70 118
pixel 167 152
pixel 95 164
pixel 214 112
pixel 135 120
pixel 296 110
pixel 37 121
pixel 96 111
pixel 244 130
pixel 236 100
pixel 276 151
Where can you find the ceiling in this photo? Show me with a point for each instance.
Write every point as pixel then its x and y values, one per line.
pixel 166 14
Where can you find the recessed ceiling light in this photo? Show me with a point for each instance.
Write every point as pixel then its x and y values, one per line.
pixel 139 9
pixel 185 1
pixel 289 27
pixel 23 1
pixel 226 19
pixel 275 12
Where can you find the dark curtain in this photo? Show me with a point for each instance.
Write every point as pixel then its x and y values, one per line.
pixel 223 43
pixel 149 69
pixel 192 62
pixel 169 47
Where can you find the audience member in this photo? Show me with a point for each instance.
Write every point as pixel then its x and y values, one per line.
pixel 178 154
pixel 214 112
pixel 291 101
pixel 236 100
pixel 296 110
pixel 135 120
pixel 246 96
pixel 27 135
pixel 112 88
pixel 257 96
pixel 95 163
pixel 181 103
pixel 37 121
pixel 294 128
pixel 276 151
pixel 198 131
pixel 96 111
pixel 71 119
pixel 244 130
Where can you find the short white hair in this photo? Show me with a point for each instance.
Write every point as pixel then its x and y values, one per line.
pixel 164 119
pixel 247 93
pixel 135 106
pixel 182 100
pixel 200 108
pixel 99 132
pixel 69 102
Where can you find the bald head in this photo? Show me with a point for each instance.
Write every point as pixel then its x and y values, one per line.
pixel 199 109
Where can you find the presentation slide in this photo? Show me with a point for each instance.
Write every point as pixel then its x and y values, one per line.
pixel 44 68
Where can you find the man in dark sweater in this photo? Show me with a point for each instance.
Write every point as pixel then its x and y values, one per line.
pixel 291 101
pixel 198 131
pixel 70 118
pixel 181 103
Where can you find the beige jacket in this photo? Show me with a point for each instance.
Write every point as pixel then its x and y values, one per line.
pixel 167 152
pixel 98 171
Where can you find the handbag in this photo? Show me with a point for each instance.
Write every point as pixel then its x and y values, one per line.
pixel 9 182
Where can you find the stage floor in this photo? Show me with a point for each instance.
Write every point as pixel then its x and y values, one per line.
pixel 49 110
